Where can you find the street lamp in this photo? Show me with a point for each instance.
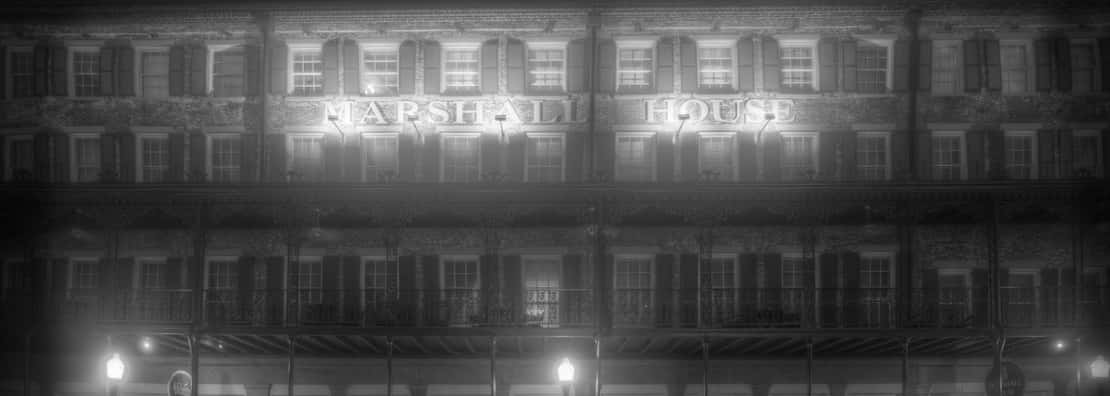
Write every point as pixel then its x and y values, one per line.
pixel 114 368
pixel 565 374
pixel 500 118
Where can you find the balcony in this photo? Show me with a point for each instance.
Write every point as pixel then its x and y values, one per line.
pixel 792 308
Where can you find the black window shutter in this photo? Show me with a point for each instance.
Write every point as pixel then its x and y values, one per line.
pixel 848 65
pixel 901 66
pixel 663 293
pixel 490 152
pixel 198 73
pixel 515 59
pixel 828 289
pixel 772 73
pixel 127 161
pixel 248 157
pixel 351 74
pixel 276 157
pixel 847 142
pixel 176 172
pixel 430 157
pixel 829 63
pixel 689 148
pixel 331 274
pixel 108 172
pixel 1050 294
pixel 931 284
pixel 745 58
pixel 515 160
pixel 177 70
pixel 351 308
pixel 1066 152
pixel 1062 48
pixel 849 264
pixel 996 153
pixel 198 164
pixel 972 61
pixel 772 153
pixel 406 157
pixel 994 64
pixel 925 65
pixel 247 288
pixel 607 64
pixel 573 301
pixel 406 277
pixel 41 156
pixel 664 158
pixel 331 67
pixel 978 293
pixel 664 72
pixel 60 164
pixel 251 61
pixel 125 71
pixel 58 59
pixel 432 309
pixel 332 166
pixel 1104 59
pixel 123 268
pixel 688 56
pixel 575 147
pixel 688 284
pixel 576 66
pixel 3 71
pixel 826 154
pixel 513 292
pixel 108 71
pixel 976 154
pixel 41 55
pixel 279 60
pixel 1046 146
pixel 489 66
pixel 1042 52
pixel 924 155
pixel 431 68
pixel 406 68
pixel 772 283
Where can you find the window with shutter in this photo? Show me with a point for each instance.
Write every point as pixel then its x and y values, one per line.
pixel 380 68
pixel 799 65
pixel 872 155
pixel 547 66
pixel 153 273
pixel 306 157
pixel 154 72
pixel 461 68
pixel 85 71
pixel 1087 156
pixel 635 65
pixel 310 280
pixel 307 72
pixel 947 67
pixel 460 157
pixel 19 154
pixel 876 278
pixel 542 277
pixel 225 153
pixel 1021 155
pixel 635 157
pixel 544 158
pixel 381 281
pixel 21 72
pixel 874 65
pixel 1082 65
pixel 949 155
pixel 799 155
pixel 633 284
pixel 715 156
pixel 1017 58
pixel 85 160
pixel 380 157
pixel 716 64
pixel 226 70
pixel 154 158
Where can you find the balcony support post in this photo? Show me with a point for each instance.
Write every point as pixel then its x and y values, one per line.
pixel 194 363
pixel 493 366
pixel 906 366
pixel 994 296
pixel 999 348
pixel 809 367
pixel 1078 365
pixel 389 366
pixel 705 367
pixel 196 272
pixel 597 363
pixel 291 350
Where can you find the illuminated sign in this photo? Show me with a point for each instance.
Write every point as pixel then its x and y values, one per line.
pixel 181 384
pixel 719 110
pixel 452 112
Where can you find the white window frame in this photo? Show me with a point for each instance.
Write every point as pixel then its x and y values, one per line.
pixel 209 152
pixel 222 259
pixel 74 167
pixel 365 47
pixel 138 281
pixel 84 46
pixel 1030 65
pixel 887 43
pixel 443 154
pixel 811 43
pixel 651 154
pixel 637 256
pixel 475 47
pixel 71 272
pixel 1099 160
pixel 638 44
pixel 963 152
pixel 396 153
pixel 891 269
pixel 9 164
pixel 315 295
pixel 139 154
pixel 141 47
pixel 289 155
pixel 958 83
pixel 563 156
pixel 815 156
pixel 963 273
pixel 886 146
pixel 9 88
pixel 728 44
pixel 1096 66
pixel 560 45
pixel 213 48
pixel 460 257
pixel 364 261
pixel 732 152
pixel 1034 161
pixel 295 46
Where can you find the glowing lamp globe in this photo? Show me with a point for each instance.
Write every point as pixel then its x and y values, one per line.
pixel 1100 368
pixel 566 371
pixel 114 367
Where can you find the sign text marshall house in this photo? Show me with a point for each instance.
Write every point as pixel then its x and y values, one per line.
pixel 463 112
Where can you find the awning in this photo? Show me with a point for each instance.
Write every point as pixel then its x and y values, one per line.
pixel 457 390
pixel 872 389
pixel 719 390
pixel 633 390
pixel 300 390
pixel 797 390
pixel 535 390
pixel 377 390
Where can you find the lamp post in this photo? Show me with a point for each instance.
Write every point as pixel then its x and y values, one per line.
pixel 767 118
pixel 565 374
pixel 676 142
pixel 114 369
pixel 342 145
pixel 503 157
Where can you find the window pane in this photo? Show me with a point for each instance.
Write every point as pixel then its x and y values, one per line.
pixel 946 68
pixel 947 163
pixel 715 67
pixel 155 74
pixel 715 157
pixel 83 275
pixel 460 159
pixel 381 157
pixel 1082 67
pixel 307 160
pixel 22 77
pixel 799 154
pixel 460 70
pixel 155 159
pixel 86 73
pixel 227 73
pixel 1019 156
pixel 86 154
pixel 635 158
pixel 871 158
pixel 21 158
pixel 545 159
pixel 1086 155
pixel 635 68
pixel 545 69
pixel 797 68
pixel 871 68
pixel 379 72
pixel 308 73
pixel 1014 76
pixel 222 275
pixel 225 159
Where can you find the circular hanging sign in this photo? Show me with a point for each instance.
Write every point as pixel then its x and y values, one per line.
pixel 181 384
pixel 1013 381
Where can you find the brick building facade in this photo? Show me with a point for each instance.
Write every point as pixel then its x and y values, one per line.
pixel 772 199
